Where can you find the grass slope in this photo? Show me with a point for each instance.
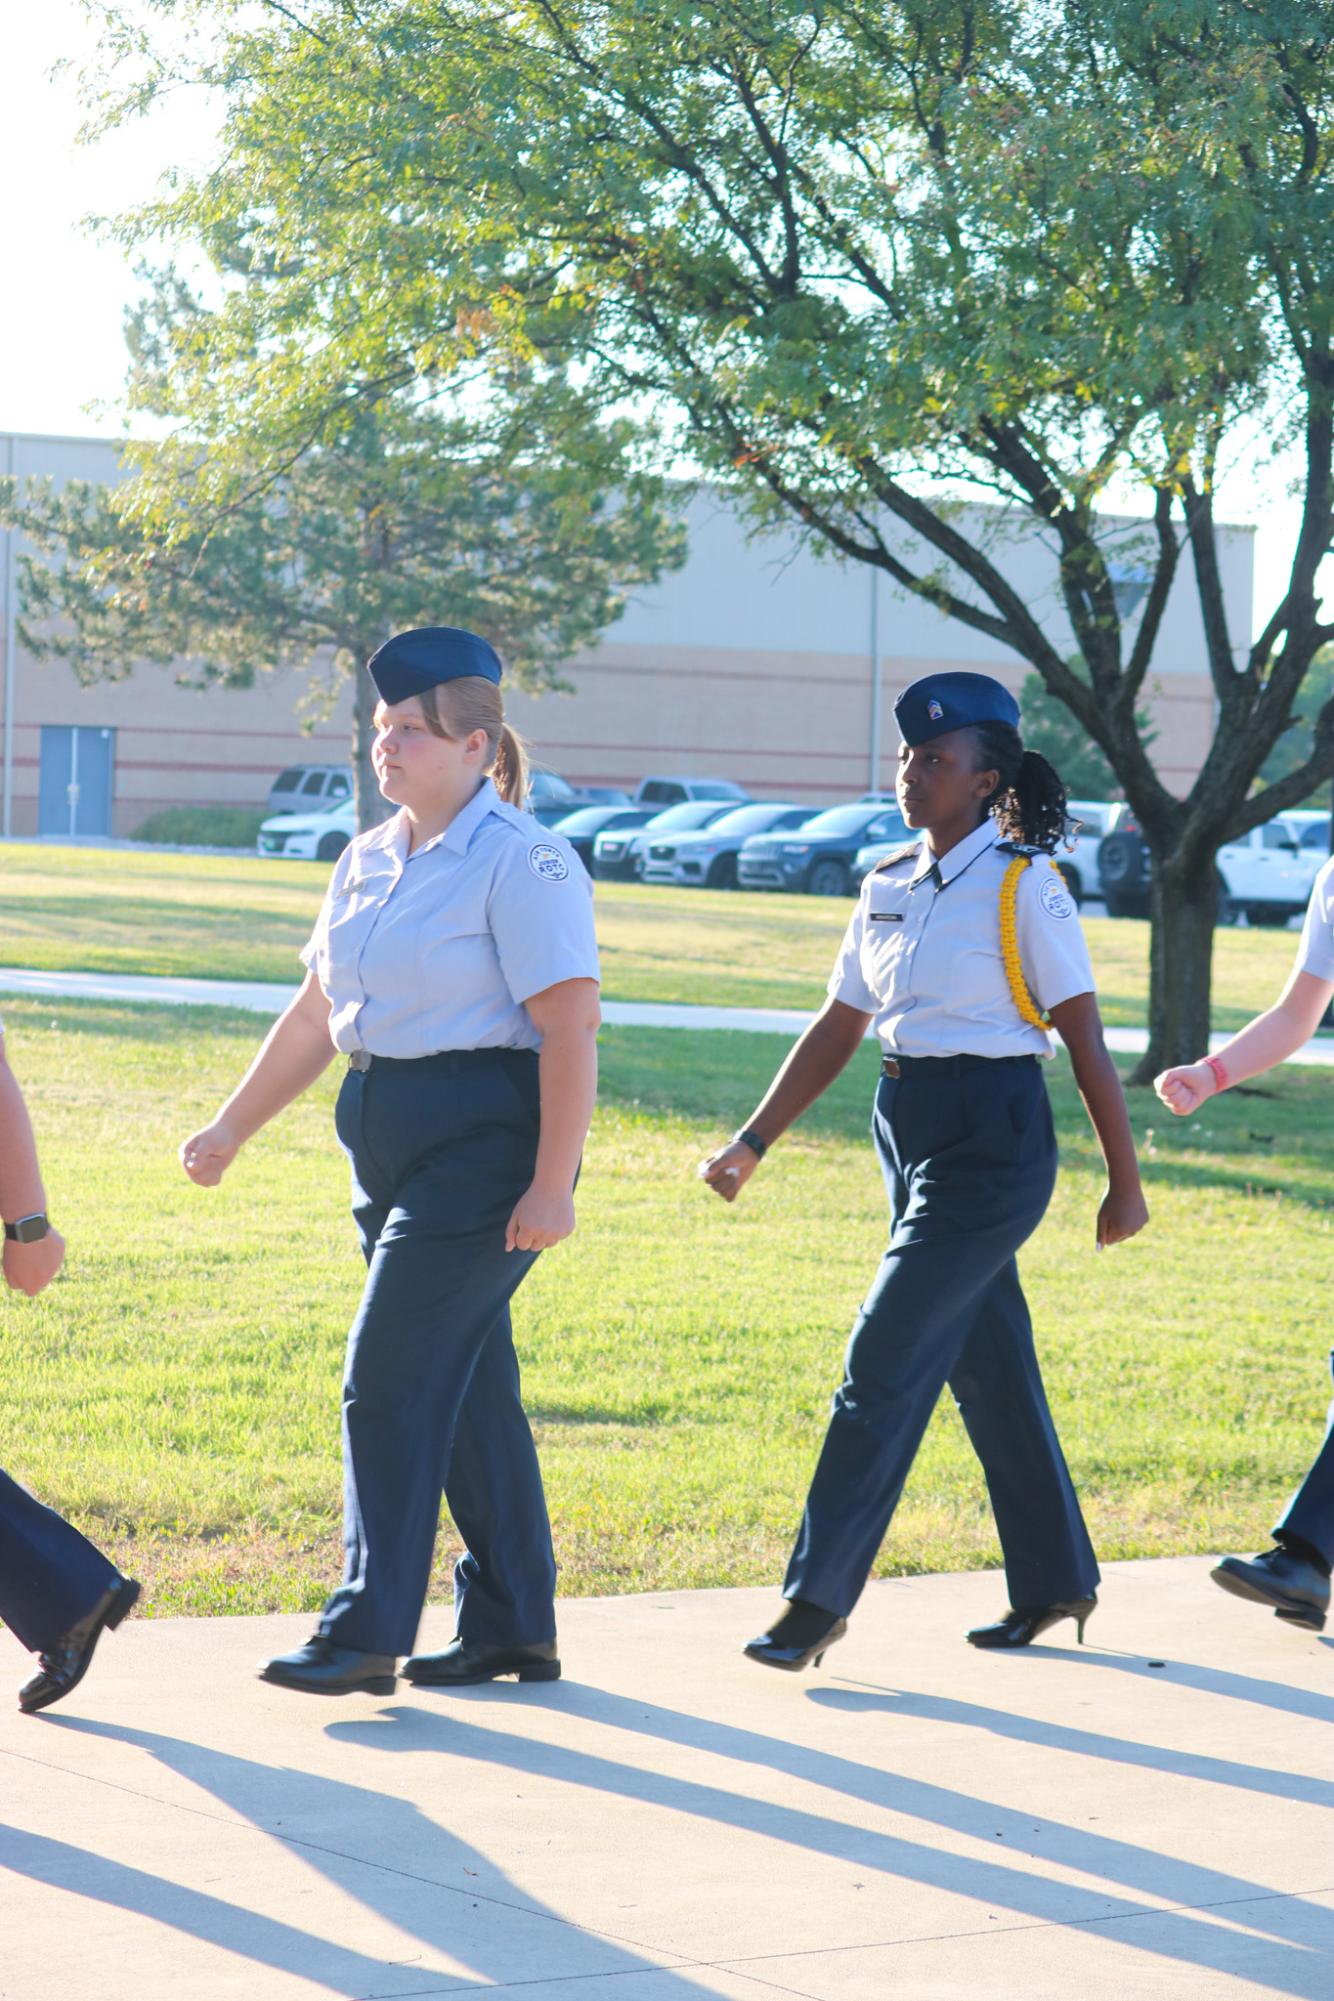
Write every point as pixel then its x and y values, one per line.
pixel 178 1390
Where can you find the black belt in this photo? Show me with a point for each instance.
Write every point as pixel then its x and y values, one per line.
pixel 942 1066
pixel 443 1059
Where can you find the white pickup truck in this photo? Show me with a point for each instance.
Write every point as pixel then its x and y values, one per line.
pixel 1265 876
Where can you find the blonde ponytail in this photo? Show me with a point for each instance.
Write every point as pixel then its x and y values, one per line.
pixel 456 708
pixel 510 769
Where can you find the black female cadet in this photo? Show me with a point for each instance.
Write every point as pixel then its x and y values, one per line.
pixel 957 942
pixel 454 965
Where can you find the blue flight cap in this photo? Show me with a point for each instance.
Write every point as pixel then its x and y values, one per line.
pixel 411 662
pixel 941 702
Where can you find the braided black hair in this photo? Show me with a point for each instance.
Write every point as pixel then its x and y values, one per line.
pixel 1028 803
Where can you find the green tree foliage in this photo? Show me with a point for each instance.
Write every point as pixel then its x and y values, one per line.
pixel 403 513
pixel 1050 727
pixel 1294 747
pixel 403 507
pixel 1053 729
pixel 844 258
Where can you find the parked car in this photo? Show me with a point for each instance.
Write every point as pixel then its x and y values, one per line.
pixel 1123 868
pixel 1089 820
pixel 1266 874
pixel 670 791
pixel 1313 838
pixel 1088 823
pixel 1263 876
pixel 550 797
pixel 707 857
pixel 619 853
pixel 306 788
pixel 309 837
pixel 818 857
pixel 602 795
pixel 582 827
pixel 875 851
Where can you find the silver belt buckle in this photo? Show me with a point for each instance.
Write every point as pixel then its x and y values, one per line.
pixel 360 1059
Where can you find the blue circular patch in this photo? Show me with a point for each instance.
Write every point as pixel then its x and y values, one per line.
pixel 1055 897
pixel 548 862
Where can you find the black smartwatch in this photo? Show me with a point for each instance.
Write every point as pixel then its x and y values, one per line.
pixel 28 1229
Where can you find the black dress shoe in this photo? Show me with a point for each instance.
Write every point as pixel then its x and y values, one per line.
pixel 464 1662
pixel 321 1668
pixel 1020 1627
pixel 798 1639
pixel 1289 1584
pixel 64 1665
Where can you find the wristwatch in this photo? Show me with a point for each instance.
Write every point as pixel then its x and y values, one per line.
pixel 28 1229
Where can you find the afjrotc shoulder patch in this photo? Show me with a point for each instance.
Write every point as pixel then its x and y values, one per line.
pixel 547 862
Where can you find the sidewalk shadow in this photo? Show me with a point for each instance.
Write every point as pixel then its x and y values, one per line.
pixel 1147 1875
pixel 400 1851
pixel 1305 1702
pixel 860 1697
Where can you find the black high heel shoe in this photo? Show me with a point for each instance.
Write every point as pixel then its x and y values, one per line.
pixel 1021 1628
pixel 798 1639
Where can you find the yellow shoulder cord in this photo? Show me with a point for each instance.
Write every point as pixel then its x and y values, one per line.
pixel 1014 971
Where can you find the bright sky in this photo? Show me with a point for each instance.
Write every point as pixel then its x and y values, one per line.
pixel 62 352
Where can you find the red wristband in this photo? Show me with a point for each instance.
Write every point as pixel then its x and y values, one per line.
pixel 1220 1074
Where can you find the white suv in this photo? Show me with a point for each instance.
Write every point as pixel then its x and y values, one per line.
pixel 1266 873
pixel 1264 876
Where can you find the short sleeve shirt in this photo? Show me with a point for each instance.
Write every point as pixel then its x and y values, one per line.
pixel 441 949
pixel 1315 954
pixel 922 952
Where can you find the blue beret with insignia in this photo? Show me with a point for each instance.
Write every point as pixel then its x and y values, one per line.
pixel 941 702
pixel 411 662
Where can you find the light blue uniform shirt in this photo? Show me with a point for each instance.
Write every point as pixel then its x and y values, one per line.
pixel 924 956
pixel 1315 954
pixel 440 949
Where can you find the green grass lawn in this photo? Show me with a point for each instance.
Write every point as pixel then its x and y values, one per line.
pixel 177 1391
pixel 219 917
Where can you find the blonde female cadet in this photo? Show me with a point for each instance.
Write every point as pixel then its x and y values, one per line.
pixel 454 966
pixel 953 940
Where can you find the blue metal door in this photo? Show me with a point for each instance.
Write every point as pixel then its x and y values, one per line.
pixel 75 789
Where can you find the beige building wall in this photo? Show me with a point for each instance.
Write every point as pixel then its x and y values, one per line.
pixel 758 661
pixel 785 725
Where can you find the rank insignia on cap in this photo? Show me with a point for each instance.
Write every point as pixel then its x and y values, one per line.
pixel 935 711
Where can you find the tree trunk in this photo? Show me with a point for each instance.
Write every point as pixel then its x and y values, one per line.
pixel 1184 909
pixel 371 804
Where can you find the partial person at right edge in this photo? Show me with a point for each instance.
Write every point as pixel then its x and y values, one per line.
pixel 1292 1579
pixel 58 1593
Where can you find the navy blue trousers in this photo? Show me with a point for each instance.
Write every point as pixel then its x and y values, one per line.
pixel 969 1160
pixel 1311 1510
pixel 441 1151
pixel 50 1575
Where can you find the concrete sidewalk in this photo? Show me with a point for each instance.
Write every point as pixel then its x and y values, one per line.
pixel 261 997
pixel 1148 1816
